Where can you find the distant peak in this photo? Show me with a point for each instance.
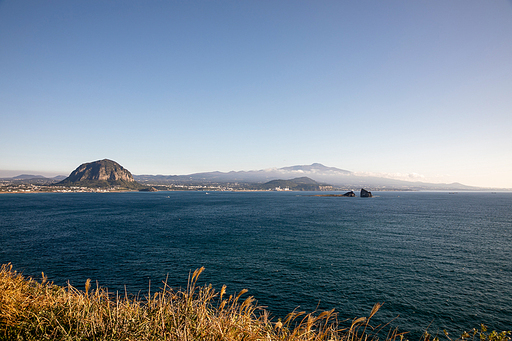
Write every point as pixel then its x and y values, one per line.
pixel 314 167
pixel 27 176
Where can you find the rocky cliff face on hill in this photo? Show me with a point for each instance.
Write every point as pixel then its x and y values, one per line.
pixel 101 173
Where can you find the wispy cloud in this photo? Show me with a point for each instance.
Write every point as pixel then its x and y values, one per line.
pixel 396 176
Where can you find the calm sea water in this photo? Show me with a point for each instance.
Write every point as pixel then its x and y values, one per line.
pixel 436 259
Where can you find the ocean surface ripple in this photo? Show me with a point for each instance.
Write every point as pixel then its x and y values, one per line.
pixel 436 260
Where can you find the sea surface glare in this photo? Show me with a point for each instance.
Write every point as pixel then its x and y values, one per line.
pixel 436 260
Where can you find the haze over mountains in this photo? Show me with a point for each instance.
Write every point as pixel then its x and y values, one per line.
pixel 316 171
pixel 323 175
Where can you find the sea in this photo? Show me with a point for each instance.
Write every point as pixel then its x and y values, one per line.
pixel 436 260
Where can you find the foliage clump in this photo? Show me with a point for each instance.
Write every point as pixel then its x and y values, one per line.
pixel 32 310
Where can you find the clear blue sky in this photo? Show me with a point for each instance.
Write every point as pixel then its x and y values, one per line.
pixel 177 87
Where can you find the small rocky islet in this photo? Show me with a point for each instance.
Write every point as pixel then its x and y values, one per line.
pixel 363 194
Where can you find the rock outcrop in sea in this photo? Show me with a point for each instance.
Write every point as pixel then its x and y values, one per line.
pixel 348 194
pixel 365 194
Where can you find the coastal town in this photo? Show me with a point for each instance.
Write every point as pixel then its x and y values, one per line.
pixel 9 186
pixel 13 186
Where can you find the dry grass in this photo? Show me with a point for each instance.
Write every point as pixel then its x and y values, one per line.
pixel 31 310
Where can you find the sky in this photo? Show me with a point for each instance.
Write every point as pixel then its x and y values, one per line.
pixel 418 90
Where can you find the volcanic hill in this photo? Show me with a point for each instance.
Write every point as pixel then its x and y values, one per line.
pixel 101 174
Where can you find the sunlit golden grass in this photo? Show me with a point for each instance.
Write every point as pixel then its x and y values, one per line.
pixel 32 310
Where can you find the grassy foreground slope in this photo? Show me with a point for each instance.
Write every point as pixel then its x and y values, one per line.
pixel 31 310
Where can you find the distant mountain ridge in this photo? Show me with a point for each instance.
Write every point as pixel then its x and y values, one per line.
pixel 33 179
pixel 108 173
pixel 315 168
pixel 28 176
pixel 316 171
pixel 23 177
pixel 252 176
